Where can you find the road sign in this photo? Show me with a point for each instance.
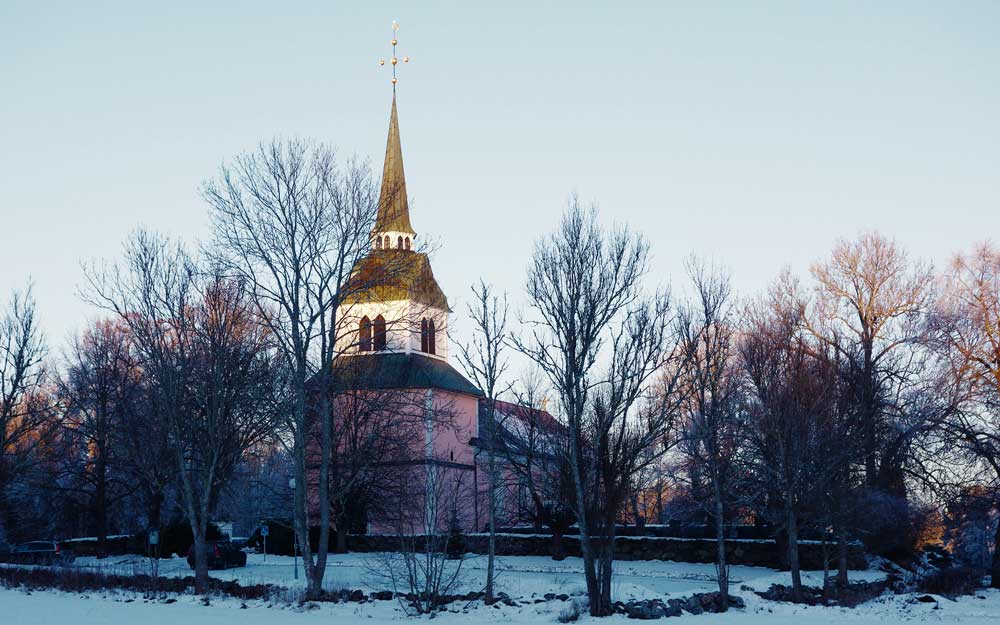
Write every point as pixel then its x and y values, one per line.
pixel 154 537
pixel 264 530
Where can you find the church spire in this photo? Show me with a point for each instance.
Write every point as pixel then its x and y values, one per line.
pixel 393 209
pixel 393 221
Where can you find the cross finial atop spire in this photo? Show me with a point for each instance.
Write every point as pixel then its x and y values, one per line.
pixel 394 60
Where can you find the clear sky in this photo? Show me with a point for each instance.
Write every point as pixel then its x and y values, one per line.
pixel 755 133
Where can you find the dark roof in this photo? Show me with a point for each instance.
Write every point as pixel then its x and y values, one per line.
pixel 505 414
pixel 380 371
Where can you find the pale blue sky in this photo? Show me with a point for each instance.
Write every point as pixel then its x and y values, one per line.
pixel 756 133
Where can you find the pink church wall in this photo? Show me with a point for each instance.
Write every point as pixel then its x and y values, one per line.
pixel 455 423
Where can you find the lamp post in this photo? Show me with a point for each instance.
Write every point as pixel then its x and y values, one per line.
pixel 295 534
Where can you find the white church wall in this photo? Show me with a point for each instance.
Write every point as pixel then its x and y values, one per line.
pixel 402 326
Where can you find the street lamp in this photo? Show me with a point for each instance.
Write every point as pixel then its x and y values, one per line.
pixel 295 535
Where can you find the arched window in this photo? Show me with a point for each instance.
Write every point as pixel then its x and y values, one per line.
pixel 365 335
pixel 387 244
pixel 406 242
pixel 424 335
pixel 399 243
pixel 378 243
pixel 379 336
pixel 431 338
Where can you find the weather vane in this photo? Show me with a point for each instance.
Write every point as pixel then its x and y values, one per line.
pixel 394 61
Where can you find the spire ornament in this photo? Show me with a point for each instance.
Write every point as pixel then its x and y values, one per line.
pixel 394 60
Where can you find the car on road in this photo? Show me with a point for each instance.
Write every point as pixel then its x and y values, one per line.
pixel 47 552
pixel 222 554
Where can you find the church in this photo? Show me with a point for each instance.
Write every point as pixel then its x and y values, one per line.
pixel 396 346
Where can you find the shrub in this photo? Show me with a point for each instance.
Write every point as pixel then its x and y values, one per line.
pixel 70 579
pixel 455 548
pixel 570 613
pixel 952 581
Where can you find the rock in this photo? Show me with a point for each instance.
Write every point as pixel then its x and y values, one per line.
pixel 549 596
pixel 562 597
pixel 926 599
pixel 708 600
pixel 672 610
pixel 644 610
pixel 356 596
pixel 382 595
pixel 693 605
pixel 737 602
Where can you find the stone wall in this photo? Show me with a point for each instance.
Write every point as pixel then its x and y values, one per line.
pixel 747 552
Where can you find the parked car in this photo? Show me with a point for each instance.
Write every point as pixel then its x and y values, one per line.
pixel 222 554
pixel 46 552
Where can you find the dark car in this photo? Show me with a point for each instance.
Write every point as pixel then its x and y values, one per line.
pixel 222 554
pixel 40 552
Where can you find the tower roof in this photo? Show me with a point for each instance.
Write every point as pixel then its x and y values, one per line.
pixel 389 275
pixel 393 209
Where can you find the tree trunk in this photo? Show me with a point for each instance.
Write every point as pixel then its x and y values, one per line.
pixel 720 538
pixel 995 572
pixel 492 513
pixel 100 507
pixel 323 494
pixel 870 409
pixel 842 580
pixel 558 550
pixel 342 527
pixel 792 526
pixel 606 564
pixel 826 569
pixel 200 559
pixel 586 547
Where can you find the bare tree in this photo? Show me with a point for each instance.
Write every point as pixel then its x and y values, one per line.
pixel 584 286
pixel 485 362
pixel 208 364
pixel 714 435
pixel 422 571
pixel 869 290
pixel 26 419
pixel 373 433
pixel 966 327
pixel 790 401
pixel 538 456
pixel 294 226
pixel 100 389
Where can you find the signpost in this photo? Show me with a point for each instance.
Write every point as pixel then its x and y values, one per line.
pixel 264 530
pixel 154 552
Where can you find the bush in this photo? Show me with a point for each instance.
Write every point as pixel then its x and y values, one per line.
pixel 70 579
pixel 570 613
pixel 455 547
pixel 952 581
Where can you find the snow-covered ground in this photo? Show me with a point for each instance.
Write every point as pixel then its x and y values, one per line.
pixel 55 608
pixel 523 578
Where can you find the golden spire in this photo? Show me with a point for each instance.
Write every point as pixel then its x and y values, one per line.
pixel 393 208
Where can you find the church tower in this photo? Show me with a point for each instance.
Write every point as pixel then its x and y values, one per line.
pixel 397 306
